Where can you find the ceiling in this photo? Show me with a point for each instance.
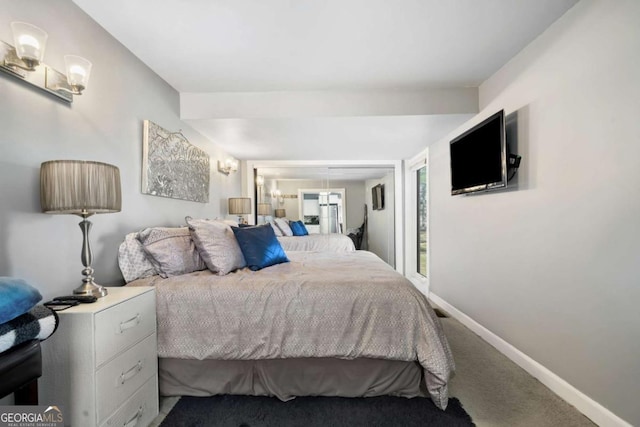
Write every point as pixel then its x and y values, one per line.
pixel 240 46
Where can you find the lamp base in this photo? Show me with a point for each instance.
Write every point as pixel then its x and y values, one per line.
pixel 91 288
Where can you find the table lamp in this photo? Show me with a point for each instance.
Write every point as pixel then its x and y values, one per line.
pixel 82 188
pixel 239 206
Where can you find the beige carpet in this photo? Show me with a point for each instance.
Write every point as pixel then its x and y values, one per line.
pixel 497 392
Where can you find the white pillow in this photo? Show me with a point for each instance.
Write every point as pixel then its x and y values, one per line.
pixel 283 224
pixel 276 229
pixel 217 245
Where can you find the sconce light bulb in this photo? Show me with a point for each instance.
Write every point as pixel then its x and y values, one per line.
pixel 77 70
pixel 29 40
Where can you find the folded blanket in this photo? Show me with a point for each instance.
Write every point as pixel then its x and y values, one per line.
pixel 16 298
pixel 38 323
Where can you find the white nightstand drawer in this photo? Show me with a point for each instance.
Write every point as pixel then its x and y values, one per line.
pixel 123 325
pixel 121 377
pixel 140 410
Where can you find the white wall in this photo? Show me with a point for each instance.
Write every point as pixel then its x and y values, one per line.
pixel 553 268
pixel 103 124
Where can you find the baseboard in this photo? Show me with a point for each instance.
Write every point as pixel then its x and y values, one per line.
pixel 583 403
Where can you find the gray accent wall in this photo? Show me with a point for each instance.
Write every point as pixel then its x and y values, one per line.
pixel 103 124
pixel 553 267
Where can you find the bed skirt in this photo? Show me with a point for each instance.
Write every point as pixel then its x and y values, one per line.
pixel 288 378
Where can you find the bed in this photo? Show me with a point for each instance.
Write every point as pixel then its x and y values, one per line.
pixel 325 323
pixel 318 242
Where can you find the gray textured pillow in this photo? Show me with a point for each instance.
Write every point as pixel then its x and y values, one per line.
pixel 171 250
pixel 132 259
pixel 217 245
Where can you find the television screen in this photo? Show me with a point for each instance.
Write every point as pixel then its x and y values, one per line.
pixel 377 197
pixel 478 157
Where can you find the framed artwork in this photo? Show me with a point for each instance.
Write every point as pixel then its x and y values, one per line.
pixel 172 167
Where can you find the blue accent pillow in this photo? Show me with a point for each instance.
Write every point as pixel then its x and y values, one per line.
pixel 16 298
pixel 260 246
pixel 298 228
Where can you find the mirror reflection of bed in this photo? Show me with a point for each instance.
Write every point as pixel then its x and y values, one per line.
pixel 334 200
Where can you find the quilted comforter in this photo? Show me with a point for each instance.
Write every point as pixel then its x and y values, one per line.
pixel 321 304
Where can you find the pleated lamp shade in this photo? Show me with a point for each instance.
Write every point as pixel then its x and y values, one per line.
pixel 239 205
pixel 264 209
pixel 281 213
pixel 79 187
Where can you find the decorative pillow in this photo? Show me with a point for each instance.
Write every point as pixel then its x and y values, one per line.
pixel 298 228
pixel 171 250
pixel 260 246
pixel 283 224
pixel 276 229
pixel 216 244
pixel 16 298
pixel 132 259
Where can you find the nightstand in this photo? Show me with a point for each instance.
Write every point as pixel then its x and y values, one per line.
pixel 101 365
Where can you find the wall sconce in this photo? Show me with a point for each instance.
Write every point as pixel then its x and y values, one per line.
pixel 24 61
pixel 259 180
pixel 277 194
pixel 228 166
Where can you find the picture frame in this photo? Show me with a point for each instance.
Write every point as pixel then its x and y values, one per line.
pixel 172 167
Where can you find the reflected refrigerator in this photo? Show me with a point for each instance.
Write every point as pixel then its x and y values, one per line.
pixel 329 218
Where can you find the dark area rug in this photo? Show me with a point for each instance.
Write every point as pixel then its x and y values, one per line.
pixel 255 411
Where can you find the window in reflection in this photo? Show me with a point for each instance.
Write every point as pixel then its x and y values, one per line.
pixel 421 196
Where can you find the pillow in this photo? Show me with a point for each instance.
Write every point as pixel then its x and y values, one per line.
pixel 132 259
pixel 298 228
pixel 260 246
pixel 284 226
pixel 276 229
pixel 171 250
pixel 216 244
pixel 17 297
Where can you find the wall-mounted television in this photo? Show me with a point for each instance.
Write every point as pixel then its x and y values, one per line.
pixel 479 157
pixel 377 197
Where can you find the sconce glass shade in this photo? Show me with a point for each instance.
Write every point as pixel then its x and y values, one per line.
pixel 78 70
pixel 30 42
pixel 280 213
pixel 259 180
pixel 264 209
pixel 239 205
pixel 79 187
pixel 231 164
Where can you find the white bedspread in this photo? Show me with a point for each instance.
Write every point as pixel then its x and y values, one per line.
pixel 318 242
pixel 321 304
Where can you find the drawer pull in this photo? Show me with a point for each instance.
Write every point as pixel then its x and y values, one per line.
pixel 128 324
pixel 126 376
pixel 134 420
